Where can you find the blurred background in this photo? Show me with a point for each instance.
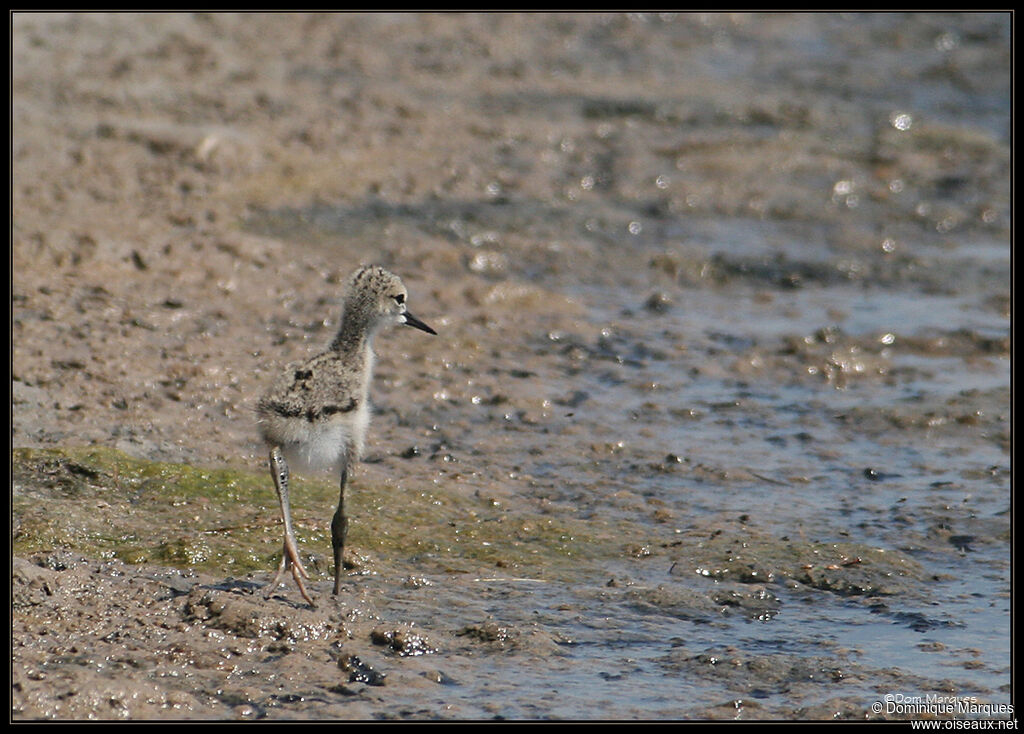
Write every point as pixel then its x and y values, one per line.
pixel 698 276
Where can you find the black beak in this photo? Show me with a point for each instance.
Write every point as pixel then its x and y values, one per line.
pixel 411 320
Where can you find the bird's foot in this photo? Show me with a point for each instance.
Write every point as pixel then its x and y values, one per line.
pixel 290 561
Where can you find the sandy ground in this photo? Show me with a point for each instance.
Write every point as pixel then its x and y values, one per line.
pixel 141 312
pixel 154 292
pixel 146 319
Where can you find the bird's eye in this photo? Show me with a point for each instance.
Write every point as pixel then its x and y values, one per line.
pixel 399 299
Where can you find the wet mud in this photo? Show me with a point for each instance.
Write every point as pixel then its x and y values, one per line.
pixel 717 423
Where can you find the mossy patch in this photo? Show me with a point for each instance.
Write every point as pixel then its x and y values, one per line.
pixel 104 503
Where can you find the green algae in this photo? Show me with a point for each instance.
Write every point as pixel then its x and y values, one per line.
pixel 103 503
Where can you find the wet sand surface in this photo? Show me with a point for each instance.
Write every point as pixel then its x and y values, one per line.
pixel 716 424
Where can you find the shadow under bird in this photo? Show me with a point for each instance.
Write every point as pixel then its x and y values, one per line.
pixel 315 415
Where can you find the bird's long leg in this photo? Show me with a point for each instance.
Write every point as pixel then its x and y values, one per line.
pixel 290 554
pixel 339 529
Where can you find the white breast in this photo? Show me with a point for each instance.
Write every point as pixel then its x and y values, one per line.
pixel 324 445
pixel 360 423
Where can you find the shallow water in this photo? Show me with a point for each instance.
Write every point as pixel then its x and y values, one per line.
pixel 834 383
pixel 761 326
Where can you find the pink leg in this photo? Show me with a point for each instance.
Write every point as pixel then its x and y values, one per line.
pixel 290 554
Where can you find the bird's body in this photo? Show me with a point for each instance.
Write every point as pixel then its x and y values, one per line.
pixel 316 413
